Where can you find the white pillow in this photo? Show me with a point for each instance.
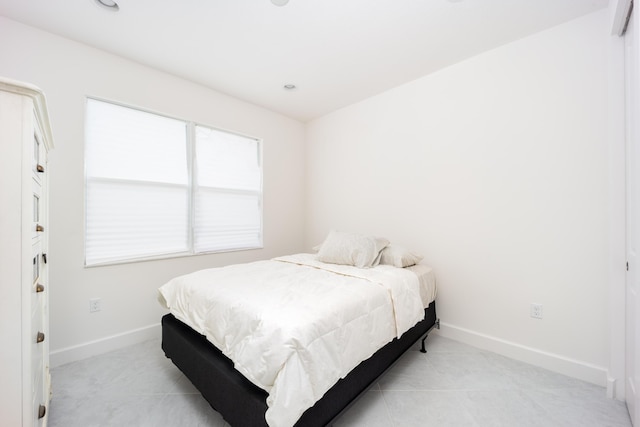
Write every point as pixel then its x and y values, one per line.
pixel 351 249
pixel 398 257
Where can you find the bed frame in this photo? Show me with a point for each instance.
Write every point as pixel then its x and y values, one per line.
pixel 242 403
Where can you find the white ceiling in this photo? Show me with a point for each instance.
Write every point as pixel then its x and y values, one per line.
pixel 336 52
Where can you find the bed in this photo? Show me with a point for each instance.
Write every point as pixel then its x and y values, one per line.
pixel 293 340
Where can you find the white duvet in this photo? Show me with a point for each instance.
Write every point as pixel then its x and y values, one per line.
pixel 294 326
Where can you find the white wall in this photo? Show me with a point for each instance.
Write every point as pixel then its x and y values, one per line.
pixel 496 170
pixel 68 72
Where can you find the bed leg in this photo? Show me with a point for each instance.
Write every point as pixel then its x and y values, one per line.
pixel 436 325
pixel 423 349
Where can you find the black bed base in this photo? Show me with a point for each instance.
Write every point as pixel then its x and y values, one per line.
pixel 243 404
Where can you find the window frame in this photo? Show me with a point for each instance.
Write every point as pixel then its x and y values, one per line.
pixel 192 187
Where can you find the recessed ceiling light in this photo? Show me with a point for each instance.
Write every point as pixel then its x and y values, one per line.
pixel 279 2
pixel 108 4
pixel 289 87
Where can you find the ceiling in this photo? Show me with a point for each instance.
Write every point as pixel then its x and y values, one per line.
pixel 336 52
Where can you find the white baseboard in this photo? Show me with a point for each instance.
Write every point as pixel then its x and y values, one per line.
pixel 553 362
pixel 611 387
pixel 103 345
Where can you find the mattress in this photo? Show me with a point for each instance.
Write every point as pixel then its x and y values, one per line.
pixel 294 326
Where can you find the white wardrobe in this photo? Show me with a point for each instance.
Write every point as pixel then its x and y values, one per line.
pixel 25 139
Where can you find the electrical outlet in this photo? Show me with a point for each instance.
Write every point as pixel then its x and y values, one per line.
pixel 536 311
pixel 95 304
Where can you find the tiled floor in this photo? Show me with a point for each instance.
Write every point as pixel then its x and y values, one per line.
pixel 452 385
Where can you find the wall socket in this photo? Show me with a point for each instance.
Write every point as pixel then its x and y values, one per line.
pixel 536 310
pixel 95 304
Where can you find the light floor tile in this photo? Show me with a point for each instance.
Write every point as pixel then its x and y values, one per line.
pixel 470 371
pixel 402 377
pixel 428 409
pixel 581 406
pixel 505 408
pixel 105 411
pixel 185 410
pixel 369 411
pixel 453 384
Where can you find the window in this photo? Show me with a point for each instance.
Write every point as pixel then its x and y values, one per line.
pixel 157 187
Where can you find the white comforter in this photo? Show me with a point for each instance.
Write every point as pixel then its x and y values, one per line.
pixel 294 326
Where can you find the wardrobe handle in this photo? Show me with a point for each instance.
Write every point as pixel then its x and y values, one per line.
pixel 44 258
pixel 40 337
pixel 41 411
pixel 40 168
pixel 39 288
pixel 39 227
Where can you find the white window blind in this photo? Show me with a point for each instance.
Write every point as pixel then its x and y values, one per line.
pixel 228 191
pixel 158 186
